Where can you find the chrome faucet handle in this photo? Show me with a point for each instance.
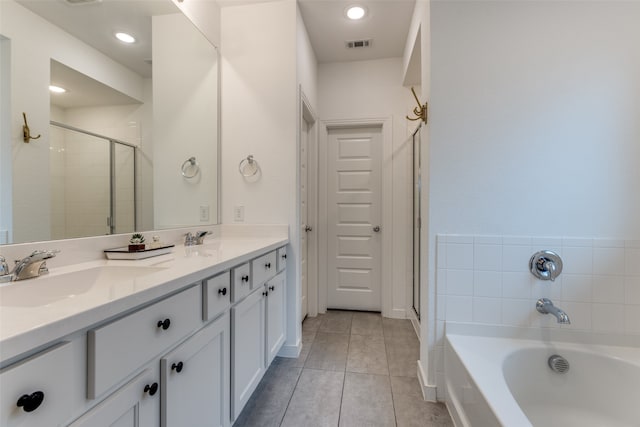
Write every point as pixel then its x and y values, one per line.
pixel 200 235
pixel 545 265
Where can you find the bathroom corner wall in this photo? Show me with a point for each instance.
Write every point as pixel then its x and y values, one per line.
pixel 535 133
pixel 486 280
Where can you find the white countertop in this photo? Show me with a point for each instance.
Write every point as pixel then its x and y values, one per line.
pixel 71 298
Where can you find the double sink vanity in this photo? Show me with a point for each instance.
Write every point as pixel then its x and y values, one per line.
pixel 177 340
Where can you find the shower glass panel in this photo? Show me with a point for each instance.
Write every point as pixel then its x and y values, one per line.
pixel 417 221
pixel 92 184
pixel 124 189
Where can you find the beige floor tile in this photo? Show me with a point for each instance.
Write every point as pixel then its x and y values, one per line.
pixel 367 355
pixel 328 351
pixel 366 401
pixel 412 410
pixel 316 400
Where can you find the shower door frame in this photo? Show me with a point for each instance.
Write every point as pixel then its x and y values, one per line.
pixel 112 172
pixel 416 222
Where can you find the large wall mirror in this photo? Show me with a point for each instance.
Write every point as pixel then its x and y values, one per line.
pixel 130 142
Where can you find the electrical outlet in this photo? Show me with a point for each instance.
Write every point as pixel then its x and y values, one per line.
pixel 238 213
pixel 204 213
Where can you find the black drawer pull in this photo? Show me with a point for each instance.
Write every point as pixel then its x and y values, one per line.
pixel 30 402
pixel 265 293
pixel 284 256
pixel 164 324
pixel 177 367
pixel 245 278
pixel 151 389
pixel 222 291
pixel 267 265
pixel 272 288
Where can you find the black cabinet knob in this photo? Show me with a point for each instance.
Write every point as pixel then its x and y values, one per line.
pixel 272 288
pixel 30 402
pixel 164 324
pixel 284 256
pixel 267 265
pixel 151 389
pixel 265 293
pixel 177 367
pixel 222 291
pixel 245 278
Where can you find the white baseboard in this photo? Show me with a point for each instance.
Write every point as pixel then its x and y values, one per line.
pixel 428 391
pixel 291 351
pixel 397 313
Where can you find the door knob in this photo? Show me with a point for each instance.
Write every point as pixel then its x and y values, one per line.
pixel 376 228
pixel 308 228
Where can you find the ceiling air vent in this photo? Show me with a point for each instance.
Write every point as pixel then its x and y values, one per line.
pixel 353 44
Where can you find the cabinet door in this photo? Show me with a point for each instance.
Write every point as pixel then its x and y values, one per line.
pixel 136 404
pixel 276 320
pixel 247 349
pixel 41 390
pixel 195 379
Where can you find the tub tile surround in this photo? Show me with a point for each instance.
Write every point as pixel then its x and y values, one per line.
pixel 26 327
pixel 483 282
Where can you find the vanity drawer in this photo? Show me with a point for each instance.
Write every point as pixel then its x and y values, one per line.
pixel 241 286
pixel 117 349
pixel 282 258
pixel 264 268
pixel 47 378
pixel 216 295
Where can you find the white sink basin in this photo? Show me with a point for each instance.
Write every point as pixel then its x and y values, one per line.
pixel 55 287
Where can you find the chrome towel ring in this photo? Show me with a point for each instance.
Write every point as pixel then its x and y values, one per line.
pixel 190 168
pixel 248 167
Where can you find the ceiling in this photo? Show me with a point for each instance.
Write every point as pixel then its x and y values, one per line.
pixel 82 90
pixel 386 23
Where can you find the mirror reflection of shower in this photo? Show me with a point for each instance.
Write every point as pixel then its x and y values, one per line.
pixel 93 183
pixel 94 138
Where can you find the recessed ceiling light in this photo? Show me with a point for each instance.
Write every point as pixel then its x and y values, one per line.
pixel 356 12
pixel 57 89
pixel 125 38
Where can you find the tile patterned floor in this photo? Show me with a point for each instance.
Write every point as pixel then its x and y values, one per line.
pixel 355 370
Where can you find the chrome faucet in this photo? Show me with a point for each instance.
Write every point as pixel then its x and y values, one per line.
pixel 28 267
pixel 545 306
pixel 189 239
pixel 200 235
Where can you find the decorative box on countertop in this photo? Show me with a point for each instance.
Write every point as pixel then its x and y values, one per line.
pixel 125 253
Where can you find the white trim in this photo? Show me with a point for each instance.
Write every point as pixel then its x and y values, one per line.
pixel 307 114
pixel 290 351
pixel 428 391
pixel 387 206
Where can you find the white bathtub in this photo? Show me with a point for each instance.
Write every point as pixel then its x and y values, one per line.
pixel 507 382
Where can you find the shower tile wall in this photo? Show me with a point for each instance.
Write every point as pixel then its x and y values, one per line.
pixel 486 280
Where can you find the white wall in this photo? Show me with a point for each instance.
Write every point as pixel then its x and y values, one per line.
pixel 307 64
pixel 6 216
pixel 185 86
pixel 373 89
pixel 259 116
pixel 205 15
pixel 534 122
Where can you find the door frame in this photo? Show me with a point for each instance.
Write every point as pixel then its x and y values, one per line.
pixel 307 114
pixel 386 200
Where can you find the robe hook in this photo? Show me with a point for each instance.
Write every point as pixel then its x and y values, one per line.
pixel 26 132
pixel 420 111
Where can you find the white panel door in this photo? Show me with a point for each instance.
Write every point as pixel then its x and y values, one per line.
pixel 354 185
pixel 304 216
pixel 276 320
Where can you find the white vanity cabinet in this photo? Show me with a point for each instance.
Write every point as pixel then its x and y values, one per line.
pixel 195 379
pixel 258 330
pixel 247 349
pixel 135 404
pixel 276 300
pixel 191 357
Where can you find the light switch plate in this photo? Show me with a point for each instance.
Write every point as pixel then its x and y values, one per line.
pixel 238 213
pixel 204 213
